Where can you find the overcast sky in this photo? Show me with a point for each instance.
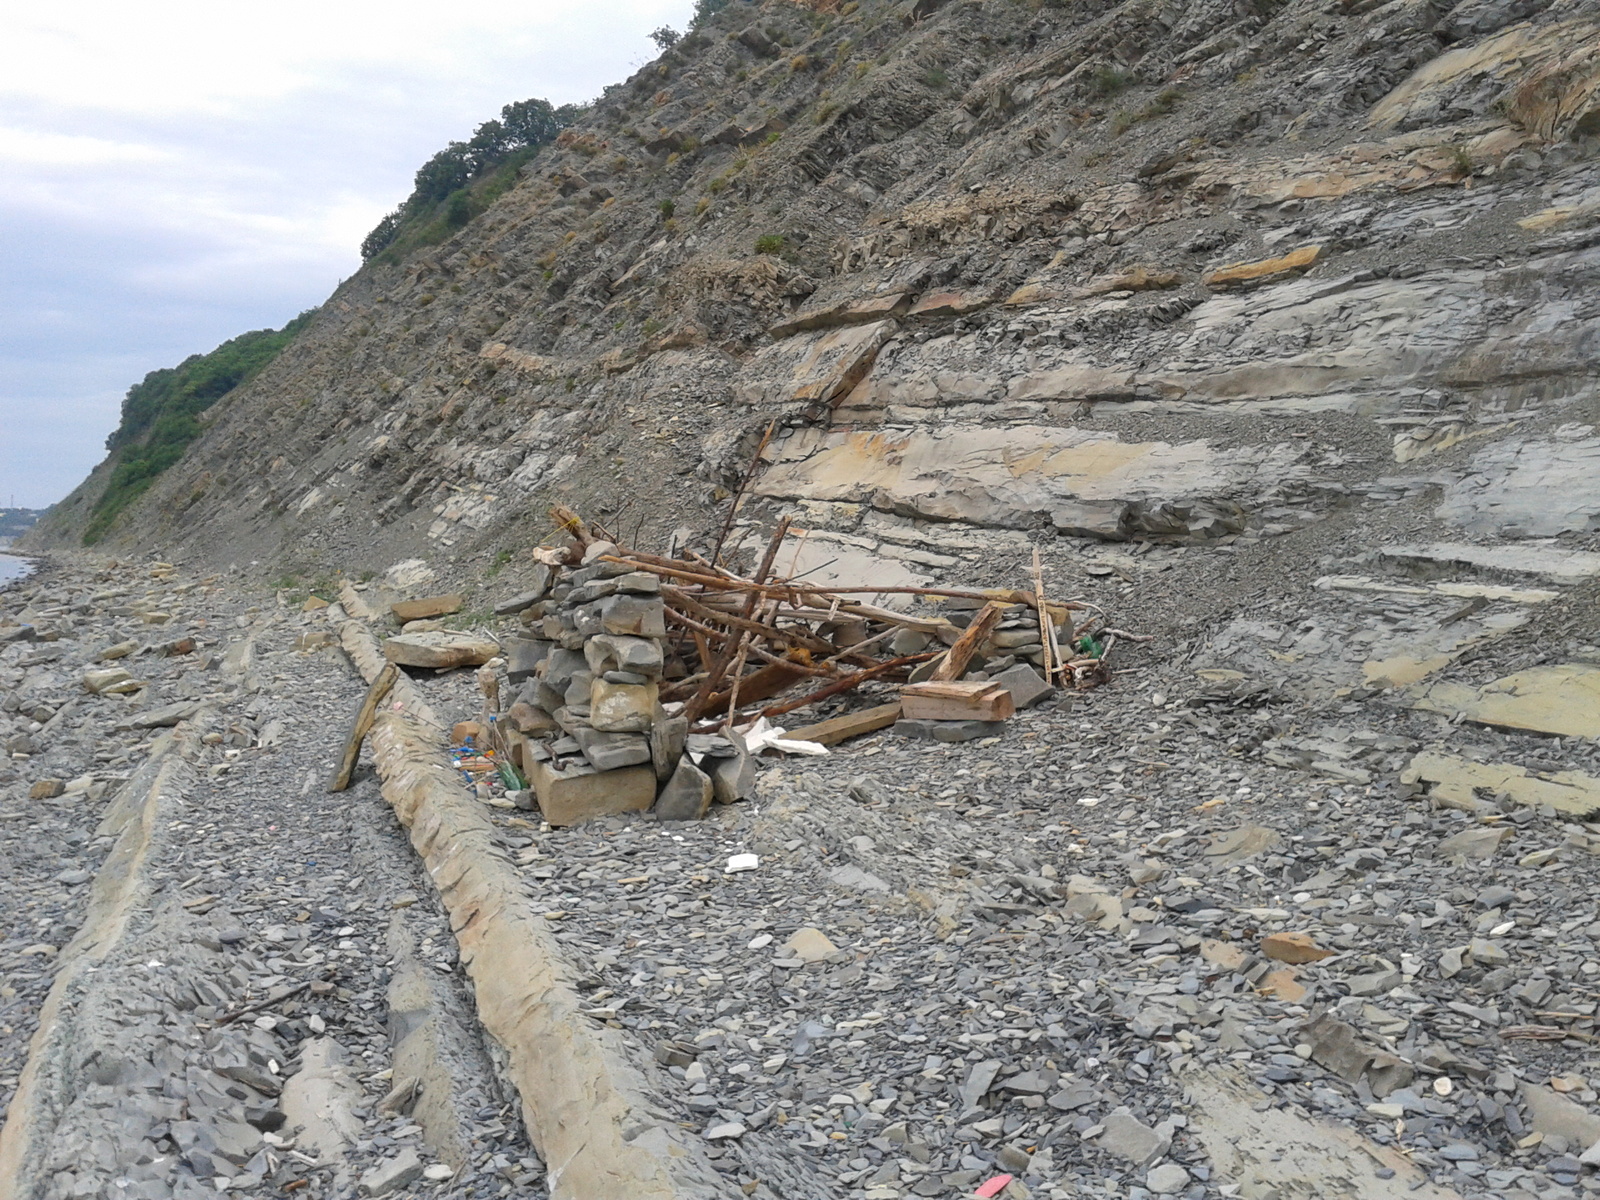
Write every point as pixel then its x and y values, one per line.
pixel 174 173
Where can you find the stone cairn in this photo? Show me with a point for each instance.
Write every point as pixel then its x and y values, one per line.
pixel 588 728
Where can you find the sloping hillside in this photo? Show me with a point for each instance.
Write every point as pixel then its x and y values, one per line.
pixel 912 218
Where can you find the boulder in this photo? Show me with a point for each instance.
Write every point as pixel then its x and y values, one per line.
pixel 667 737
pixel 582 793
pixel 392 1174
pixel 621 707
pixel 111 681
pixel 619 652
pixel 166 716
pixel 523 656
pixel 608 751
pixel 1024 684
pixel 530 718
pixel 638 616
pixel 732 778
pixel 687 795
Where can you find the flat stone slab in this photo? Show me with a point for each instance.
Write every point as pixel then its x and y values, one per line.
pixel 1551 1113
pixel 1009 477
pixel 428 606
pixel 1527 488
pixel 439 651
pixel 1457 783
pixel 390 1176
pixel 1262 270
pixel 947 731
pixel 1562 700
pixel 1128 1137
pixel 1549 562
pixel 1238 845
pixel 165 716
pixel 810 944
pixel 1271 1150
pixel 321 1097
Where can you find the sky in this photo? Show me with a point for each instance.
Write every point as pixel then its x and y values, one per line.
pixel 173 173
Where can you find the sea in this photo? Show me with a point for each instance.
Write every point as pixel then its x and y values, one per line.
pixel 13 568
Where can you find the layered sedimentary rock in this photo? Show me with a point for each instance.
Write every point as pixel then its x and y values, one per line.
pixel 1146 274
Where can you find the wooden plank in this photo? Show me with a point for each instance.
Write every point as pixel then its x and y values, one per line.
pixel 758 685
pixel 1046 626
pixel 839 729
pixel 953 701
pixel 959 655
pixel 363 722
pixel 986 708
pixel 950 689
pixel 428 606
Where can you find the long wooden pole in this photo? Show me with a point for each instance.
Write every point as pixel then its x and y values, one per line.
pixel 848 682
pixel 744 482
pixel 723 583
pixel 365 715
pixel 1046 625
pixel 736 652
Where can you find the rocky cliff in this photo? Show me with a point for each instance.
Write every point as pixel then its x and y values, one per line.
pixel 1139 273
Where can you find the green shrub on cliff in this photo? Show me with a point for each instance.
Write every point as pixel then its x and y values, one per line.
pixel 160 414
pixel 704 10
pixel 464 178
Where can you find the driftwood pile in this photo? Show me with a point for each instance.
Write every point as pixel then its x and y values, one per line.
pixel 737 644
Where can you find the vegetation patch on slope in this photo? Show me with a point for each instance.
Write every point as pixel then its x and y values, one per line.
pixel 160 414
pixel 465 178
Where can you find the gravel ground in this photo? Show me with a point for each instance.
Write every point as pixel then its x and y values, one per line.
pixel 1014 956
pixel 1034 938
pixel 260 881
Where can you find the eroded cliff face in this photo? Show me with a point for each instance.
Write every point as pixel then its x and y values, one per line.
pixel 1135 272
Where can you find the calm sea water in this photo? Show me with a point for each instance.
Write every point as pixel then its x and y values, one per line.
pixel 12 567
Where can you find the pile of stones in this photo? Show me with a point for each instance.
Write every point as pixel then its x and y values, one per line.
pixel 588 728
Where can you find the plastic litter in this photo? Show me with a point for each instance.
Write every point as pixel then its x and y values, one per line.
pixel 993 1187
pixel 741 862
pixel 764 735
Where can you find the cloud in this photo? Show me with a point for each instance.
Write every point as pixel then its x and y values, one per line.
pixel 174 173
pixel 23 148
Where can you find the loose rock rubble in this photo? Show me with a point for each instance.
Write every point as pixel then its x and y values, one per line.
pixel 242 1032
pixel 1092 950
pixel 1034 954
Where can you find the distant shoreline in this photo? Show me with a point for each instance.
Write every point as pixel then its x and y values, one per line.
pixel 13 567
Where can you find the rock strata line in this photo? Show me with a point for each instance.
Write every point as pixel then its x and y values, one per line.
pixel 120 890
